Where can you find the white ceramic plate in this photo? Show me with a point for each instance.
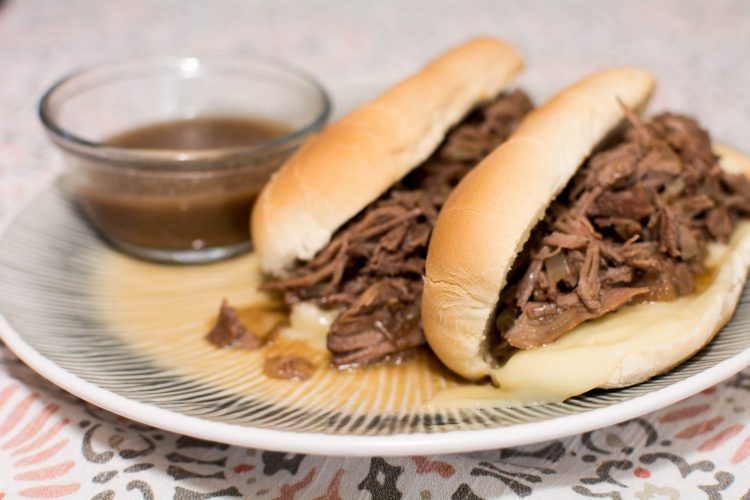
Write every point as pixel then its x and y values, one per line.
pixel 128 336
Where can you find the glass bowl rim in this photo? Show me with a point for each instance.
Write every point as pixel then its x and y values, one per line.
pixel 160 158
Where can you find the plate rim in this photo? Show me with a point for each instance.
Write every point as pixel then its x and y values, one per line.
pixel 351 445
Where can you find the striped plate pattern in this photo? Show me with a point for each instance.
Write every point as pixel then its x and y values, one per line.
pixel 136 330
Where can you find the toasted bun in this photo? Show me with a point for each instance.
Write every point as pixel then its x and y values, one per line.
pixel 353 161
pixel 480 231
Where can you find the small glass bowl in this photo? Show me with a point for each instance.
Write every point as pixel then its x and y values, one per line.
pixel 177 206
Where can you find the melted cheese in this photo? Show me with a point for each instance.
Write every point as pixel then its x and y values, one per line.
pixel 309 323
pixel 598 352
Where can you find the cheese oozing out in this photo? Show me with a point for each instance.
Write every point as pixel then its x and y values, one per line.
pixel 309 323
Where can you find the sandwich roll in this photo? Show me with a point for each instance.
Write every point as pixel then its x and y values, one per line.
pixel 353 161
pixel 489 216
pixel 583 255
pixel 627 347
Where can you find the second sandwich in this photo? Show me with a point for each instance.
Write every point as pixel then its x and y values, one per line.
pixel 581 254
pixel 342 230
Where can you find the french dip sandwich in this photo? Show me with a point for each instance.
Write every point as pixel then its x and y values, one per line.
pixel 342 229
pixel 593 249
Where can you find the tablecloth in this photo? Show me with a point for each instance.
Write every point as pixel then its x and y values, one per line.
pixel 53 445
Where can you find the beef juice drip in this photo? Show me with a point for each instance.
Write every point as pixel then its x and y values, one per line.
pixel 181 210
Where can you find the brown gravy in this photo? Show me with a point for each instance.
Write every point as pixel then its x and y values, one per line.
pixel 210 132
pixel 173 222
pixel 181 209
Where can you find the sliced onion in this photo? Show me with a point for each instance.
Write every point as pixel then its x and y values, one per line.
pixel 557 268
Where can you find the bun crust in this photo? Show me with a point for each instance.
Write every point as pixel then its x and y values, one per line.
pixel 336 174
pixel 480 231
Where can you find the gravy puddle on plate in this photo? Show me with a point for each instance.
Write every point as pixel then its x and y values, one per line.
pixel 164 312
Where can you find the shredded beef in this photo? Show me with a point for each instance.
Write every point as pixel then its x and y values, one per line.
pixel 372 268
pixel 632 225
pixel 230 332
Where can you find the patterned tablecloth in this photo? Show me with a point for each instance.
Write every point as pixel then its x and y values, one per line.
pixel 54 445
